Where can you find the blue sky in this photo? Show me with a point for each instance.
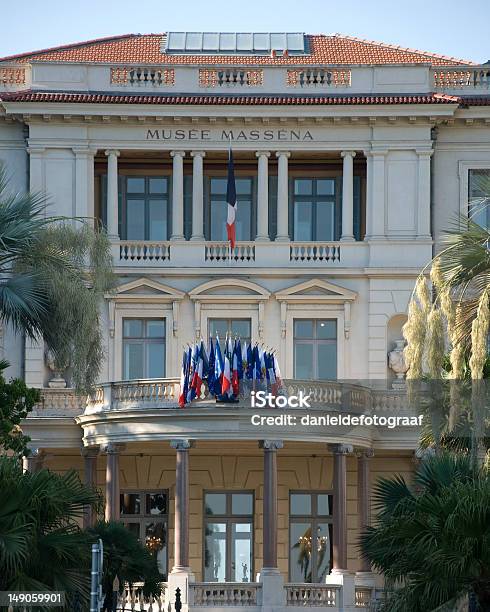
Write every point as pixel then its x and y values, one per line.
pixel 451 27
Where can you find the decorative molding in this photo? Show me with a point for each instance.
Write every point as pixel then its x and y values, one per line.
pixel 156 293
pixel 341 449
pixel 181 445
pixel 256 292
pixel 334 293
pixel 271 445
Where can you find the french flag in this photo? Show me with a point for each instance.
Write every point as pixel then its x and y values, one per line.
pixel 235 375
pixel 184 381
pixel 198 372
pixel 226 383
pixel 232 202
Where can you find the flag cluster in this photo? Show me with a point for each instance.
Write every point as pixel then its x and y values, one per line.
pixel 227 370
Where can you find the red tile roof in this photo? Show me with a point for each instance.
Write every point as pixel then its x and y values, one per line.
pixel 146 49
pixel 251 100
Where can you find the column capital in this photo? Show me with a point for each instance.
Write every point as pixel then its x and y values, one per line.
pixel 81 150
pixel 283 153
pixel 181 445
pixel 90 451
pixel 271 444
pixel 177 154
pixel 262 154
pixel 198 153
pixel 110 152
pixel 348 154
pixel 365 453
pixel 378 152
pixel 35 150
pixel 112 448
pixel 424 152
pixel 341 449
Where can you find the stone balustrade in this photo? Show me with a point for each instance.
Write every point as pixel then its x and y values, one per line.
pixel 220 252
pixel 234 77
pixel 142 76
pixel 318 77
pixel 132 599
pixel 308 252
pixel 59 402
pixel 143 251
pixel 474 79
pixel 237 594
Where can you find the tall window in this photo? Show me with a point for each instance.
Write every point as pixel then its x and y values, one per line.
pixel 310 536
pixel 316 204
pixel 228 536
pixel 230 327
pixel 479 197
pixel 217 209
pixel 315 349
pixel 145 513
pixel 143 348
pixel 145 210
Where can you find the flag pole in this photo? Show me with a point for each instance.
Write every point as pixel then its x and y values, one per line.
pixel 229 155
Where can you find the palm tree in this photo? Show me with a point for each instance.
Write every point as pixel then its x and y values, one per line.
pixel 432 539
pixel 42 547
pixel 54 273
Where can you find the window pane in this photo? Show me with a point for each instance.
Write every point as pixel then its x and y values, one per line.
pixel 133 360
pixel 135 219
pixel 325 186
pixel 325 221
pixel 300 552
pixel 244 220
pixel 241 328
pixel 215 503
pixel 218 186
pixel 479 197
pixel 218 327
pixel 156 542
pixel 135 185
pixel 242 503
pixel 155 328
pixel 303 187
pixel 218 219
pixel 301 504
pixel 303 361
pixel 303 221
pixel 243 186
pixel 130 503
pixel 327 361
pixel 215 552
pixel 241 552
pixel 323 551
pixel 157 210
pixel 326 329
pixel 158 185
pixel 324 504
pixel 156 360
pixel 156 503
pixel 133 328
pixel 303 328
pixel 133 528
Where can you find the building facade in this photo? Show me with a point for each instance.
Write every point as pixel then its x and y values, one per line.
pixel 351 158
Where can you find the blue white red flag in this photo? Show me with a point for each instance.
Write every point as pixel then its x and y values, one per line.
pixel 232 202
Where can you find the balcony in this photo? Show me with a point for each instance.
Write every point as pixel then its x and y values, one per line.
pixel 466 80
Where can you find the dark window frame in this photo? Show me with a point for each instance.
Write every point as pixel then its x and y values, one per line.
pixel 314 519
pixel 229 519
pixel 315 341
pixel 483 208
pixel 229 329
pixel 336 199
pixel 145 340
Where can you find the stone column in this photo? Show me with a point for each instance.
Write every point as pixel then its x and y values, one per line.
pixel 112 195
pixel 34 462
pixel 348 196
pixel 270 576
pixel 263 196
pixel 181 536
pixel 37 178
pixel 84 183
pixel 197 195
pixel 112 506
pixel 424 194
pixel 90 479
pixel 377 210
pixel 340 452
pixel 178 195
pixel 282 196
pixel 364 495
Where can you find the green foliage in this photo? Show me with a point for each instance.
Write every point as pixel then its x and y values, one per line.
pixel 16 401
pixel 126 558
pixel 53 276
pixel 432 540
pixel 42 547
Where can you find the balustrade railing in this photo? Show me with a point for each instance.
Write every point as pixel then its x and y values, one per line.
pixel 220 252
pixel 142 76
pixel 235 77
pixel 318 77
pixel 475 78
pixel 228 594
pixel 144 250
pixel 59 402
pixel 307 252
pixel 364 597
pixel 312 596
pixel 132 599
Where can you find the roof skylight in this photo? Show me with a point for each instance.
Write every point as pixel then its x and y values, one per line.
pixel 235 43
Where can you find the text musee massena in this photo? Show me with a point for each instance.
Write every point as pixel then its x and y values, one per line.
pixel 228 135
